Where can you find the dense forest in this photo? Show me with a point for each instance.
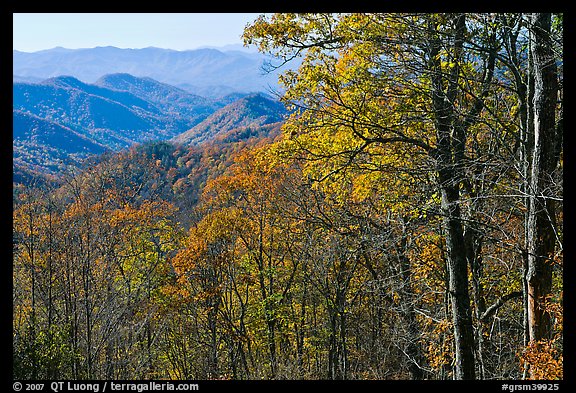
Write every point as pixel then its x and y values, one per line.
pixel 404 222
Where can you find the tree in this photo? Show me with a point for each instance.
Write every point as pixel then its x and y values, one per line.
pixel 541 226
pixel 405 81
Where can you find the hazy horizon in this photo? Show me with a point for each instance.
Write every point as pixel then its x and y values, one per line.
pixel 34 32
pixel 225 47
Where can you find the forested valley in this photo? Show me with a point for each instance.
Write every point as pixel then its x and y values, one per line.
pixel 405 220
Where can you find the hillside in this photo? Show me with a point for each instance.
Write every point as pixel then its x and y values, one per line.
pixel 251 111
pixel 63 119
pixel 170 100
pixel 30 128
pixel 116 112
pixel 41 146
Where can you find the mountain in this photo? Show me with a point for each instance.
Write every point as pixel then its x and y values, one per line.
pixel 26 79
pixel 41 146
pixel 204 69
pixel 207 91
pixel 232 47
pixel 30 129
pixel 63 120
pixel 251 111
pixel 170 100
pixel 117 111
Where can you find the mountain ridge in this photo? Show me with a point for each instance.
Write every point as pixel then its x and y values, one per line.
pixel 63 116
pixel 252 110
pixel 203 67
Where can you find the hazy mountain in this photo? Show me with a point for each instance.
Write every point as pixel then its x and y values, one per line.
pixel 41 146
pixel 26 79
pixel 232 70
pixel 63 120
pixel 232 97
pixel 117 112
pixel 251 111
pixel 207 91
pixel 232 47
pixel 170 100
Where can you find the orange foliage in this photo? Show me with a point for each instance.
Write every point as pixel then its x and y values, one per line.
pixel 545 361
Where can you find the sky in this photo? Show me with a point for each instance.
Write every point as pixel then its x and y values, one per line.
pixel 33 32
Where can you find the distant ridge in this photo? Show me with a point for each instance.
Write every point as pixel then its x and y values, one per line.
pixel 234 70
pixel 169 99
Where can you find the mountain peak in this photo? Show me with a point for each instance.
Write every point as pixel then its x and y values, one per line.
pixel 117 77
pixel 105 47
pixel 56 49
pixel 64 81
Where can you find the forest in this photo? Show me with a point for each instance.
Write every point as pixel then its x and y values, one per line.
pixel 405 222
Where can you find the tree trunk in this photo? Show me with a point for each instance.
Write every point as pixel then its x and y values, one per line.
pixel 450 141
pixel 458 285
pixel 473 246
pixel 541 219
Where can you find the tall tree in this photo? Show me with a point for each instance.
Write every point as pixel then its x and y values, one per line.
pixel 542 235
pixel 415 84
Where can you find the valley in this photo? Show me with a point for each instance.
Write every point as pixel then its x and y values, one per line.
pixel 61 121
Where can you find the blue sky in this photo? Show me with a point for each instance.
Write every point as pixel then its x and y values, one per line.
pixel 33 32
